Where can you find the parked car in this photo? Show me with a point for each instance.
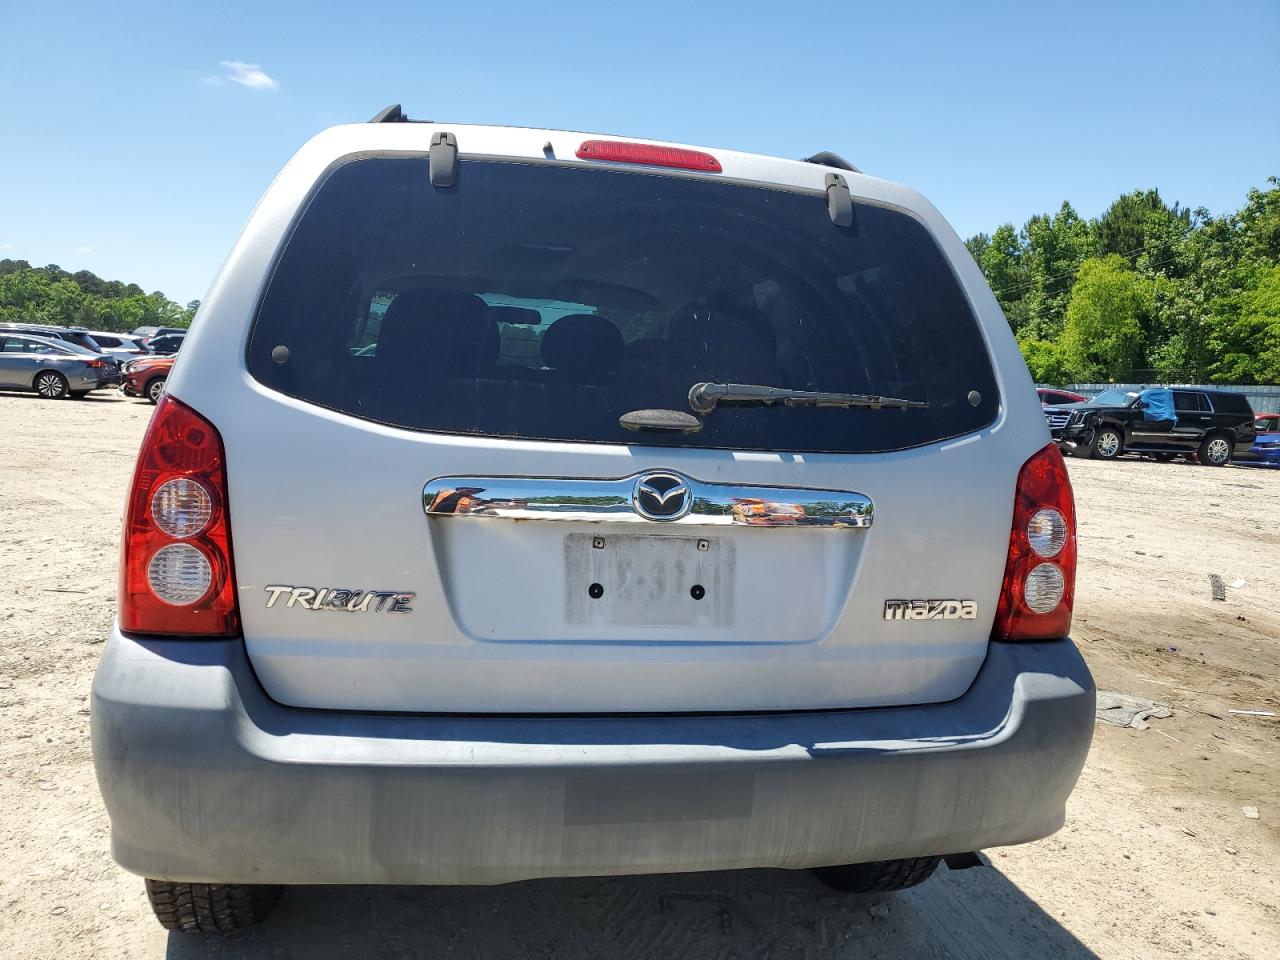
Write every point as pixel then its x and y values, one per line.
pixel 1266 445
pixel 1211 426
pixel 55 369
pixel 146 333
pixel 146 377
pixel 120 345
pixel 76 335
pixel 611 606
pixel 1049 397
pixel 165 345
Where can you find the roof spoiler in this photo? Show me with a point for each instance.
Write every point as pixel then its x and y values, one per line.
pixel 391 114
pixel 828 159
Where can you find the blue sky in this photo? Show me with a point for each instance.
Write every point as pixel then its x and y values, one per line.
pixel 135 138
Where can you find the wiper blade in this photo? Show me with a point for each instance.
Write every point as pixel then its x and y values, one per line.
pixel 704 397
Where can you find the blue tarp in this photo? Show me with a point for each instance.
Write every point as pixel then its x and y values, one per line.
pixel 1159 405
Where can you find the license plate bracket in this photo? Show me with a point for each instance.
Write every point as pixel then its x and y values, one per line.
pixel 649 580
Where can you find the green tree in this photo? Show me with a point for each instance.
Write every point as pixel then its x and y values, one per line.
pixel 51 295
pixel 1046 360
pixel 1246 337
pixel 1055 247
pixel 1122 229
pixel 1001 263
pixel 1109 307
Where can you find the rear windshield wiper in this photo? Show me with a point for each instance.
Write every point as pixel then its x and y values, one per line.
pixel 703 398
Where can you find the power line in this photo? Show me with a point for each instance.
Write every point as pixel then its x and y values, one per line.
pixel 1075 270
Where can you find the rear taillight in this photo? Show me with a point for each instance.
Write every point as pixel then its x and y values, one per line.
pixel 1040 574
pixel 95 363
pixel 649 153
pixel 176 575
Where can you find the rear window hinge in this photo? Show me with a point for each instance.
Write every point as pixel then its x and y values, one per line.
pixel 839 202
pixel 443 159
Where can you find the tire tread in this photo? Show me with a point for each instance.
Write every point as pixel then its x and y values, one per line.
pixel 209 907
pixel 880 876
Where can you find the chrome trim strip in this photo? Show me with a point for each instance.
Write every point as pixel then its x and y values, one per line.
pixel 614 501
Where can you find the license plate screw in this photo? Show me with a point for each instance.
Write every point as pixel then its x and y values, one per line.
pixel 597 543
pixel 704 545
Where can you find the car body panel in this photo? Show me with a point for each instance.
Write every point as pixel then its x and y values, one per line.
pixel 1266 446
pixel 1050 397
pixel 138 374
pixel 792 647
pixel 206 779
pixel 123 346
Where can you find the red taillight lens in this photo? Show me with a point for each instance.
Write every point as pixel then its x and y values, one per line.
pixel 1040 574
pixel 95 363
pixel 176 575
pixel 653 155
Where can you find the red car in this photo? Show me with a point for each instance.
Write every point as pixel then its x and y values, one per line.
pixel 146 377
pixel 1054 398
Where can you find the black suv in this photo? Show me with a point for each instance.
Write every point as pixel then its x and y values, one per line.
pixel 1212 425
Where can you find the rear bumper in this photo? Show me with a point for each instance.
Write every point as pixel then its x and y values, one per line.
pixel 206 779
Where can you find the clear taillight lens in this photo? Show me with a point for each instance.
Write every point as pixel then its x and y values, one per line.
pixel 1047 532
pixel 179 574
pixel 181 507
pixel 1043 588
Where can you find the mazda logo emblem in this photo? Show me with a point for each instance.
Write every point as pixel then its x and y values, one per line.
pixel 661 496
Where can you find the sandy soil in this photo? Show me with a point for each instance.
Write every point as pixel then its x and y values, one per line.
pixel 1157 858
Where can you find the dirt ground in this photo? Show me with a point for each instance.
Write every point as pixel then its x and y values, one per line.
pixel 1157 858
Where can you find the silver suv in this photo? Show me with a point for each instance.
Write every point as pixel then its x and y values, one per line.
pixel 532 504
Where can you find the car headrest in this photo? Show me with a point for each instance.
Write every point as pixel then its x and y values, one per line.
pixel 452 329
pixel 584 346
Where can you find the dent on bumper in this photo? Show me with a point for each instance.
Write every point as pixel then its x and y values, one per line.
pixel 206 779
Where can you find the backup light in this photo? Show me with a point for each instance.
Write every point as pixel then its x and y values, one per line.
pixel 1043 588
pixel 179 574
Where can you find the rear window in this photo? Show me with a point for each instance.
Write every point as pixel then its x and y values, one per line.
pixel 545 301
pixel 1232 403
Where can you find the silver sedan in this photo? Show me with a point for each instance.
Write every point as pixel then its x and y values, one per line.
pixel 55 369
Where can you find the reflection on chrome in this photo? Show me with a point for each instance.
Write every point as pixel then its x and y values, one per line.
pixel 712 504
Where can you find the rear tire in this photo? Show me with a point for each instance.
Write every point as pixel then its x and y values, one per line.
pixel 1107 444
pixel 1215 450
pixel 882 876
pixel 210 907
pixel 51 385
pixel 155 389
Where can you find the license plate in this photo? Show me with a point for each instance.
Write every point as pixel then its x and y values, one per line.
pixel 649 581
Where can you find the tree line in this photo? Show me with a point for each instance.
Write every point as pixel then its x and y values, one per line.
pixel 1145 292
pixel 51 295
